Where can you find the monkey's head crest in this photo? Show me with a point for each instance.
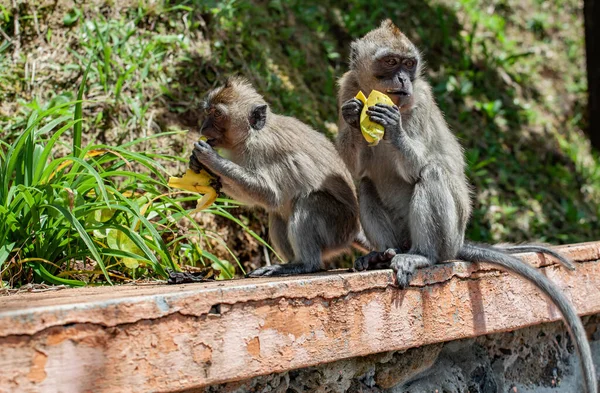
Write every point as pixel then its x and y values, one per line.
pixel 387 35
pixel 236 89
pixel 391 27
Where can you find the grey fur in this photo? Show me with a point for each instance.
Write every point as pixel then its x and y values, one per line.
pixel 414 196
pixel 537 248
pixel 284 166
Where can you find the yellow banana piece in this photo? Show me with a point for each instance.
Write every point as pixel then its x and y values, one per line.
pixel 196 182
pixel 372 132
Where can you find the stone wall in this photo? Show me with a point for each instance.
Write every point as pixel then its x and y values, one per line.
pixel 537 359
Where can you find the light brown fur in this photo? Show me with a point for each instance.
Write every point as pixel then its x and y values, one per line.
pixel 284 166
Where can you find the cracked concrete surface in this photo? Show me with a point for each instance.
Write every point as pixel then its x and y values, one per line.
pixel 538 359
pixel 175 338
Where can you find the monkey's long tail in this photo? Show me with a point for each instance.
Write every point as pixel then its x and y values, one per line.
pixel 521 248
pixel 479 253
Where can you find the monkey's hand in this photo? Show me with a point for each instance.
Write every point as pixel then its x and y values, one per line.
pixel 351 110
pixel 388 116
pixel 197 167
pixel 203 154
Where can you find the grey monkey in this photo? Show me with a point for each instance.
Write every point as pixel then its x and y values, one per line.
pixel 284 166
pixel 414 197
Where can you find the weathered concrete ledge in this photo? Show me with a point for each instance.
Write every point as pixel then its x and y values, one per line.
pixel 175 338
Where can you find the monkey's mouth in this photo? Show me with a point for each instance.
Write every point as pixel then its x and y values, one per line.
pixel 398 92
pixel 212 142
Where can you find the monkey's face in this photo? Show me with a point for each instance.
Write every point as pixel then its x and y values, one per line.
pixel 232 112
pixel 393 73
pixel 386 60
pixel 216 125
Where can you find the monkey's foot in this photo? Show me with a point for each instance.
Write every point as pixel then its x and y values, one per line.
pixel 375 260
pixel 405 266
pixel 287 269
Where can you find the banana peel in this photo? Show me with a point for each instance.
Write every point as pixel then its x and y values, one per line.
pixel 372 132
pixel 197 182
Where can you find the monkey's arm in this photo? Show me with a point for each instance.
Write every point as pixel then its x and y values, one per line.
pixel 244 181
pixel 411 146
pixel 349 139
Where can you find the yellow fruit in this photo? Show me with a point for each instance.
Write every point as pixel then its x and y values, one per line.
pixel 372 132
pixel 196 182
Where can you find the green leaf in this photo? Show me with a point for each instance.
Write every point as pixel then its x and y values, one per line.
pixel 5 252
pixel 117 240
pixel 224 213
pixel 72 17
pixel 226 269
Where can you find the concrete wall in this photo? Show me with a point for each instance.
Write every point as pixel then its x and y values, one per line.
pixel 537 359
pixel 174 338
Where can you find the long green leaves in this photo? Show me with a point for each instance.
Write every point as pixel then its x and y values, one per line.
pixel 55 208
pixel 97 214
pixel 76 212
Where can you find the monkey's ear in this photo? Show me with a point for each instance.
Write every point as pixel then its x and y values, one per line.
pixel 258 116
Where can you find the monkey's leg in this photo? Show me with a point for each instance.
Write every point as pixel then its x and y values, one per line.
pixel 318 223
pixel 278 233
pixel 436 227
pixel 378 228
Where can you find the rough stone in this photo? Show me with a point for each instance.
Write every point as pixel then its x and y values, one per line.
pixel 537 359
pixel 405 366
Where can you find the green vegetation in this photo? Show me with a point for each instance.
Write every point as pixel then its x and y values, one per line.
pixel 83 196
pixel 89 215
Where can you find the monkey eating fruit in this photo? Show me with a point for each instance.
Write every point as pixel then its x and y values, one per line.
pixel 413 192
pixel 284 166
pixel 372 132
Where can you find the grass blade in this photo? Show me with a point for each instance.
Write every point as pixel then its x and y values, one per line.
pixel 51 278
pixel 78 116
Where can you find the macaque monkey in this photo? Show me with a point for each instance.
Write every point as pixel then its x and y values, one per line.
pixel 413 193
pixel 284 166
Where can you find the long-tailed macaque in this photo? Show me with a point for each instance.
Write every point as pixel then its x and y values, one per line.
pixel 284 166
pixel 413 193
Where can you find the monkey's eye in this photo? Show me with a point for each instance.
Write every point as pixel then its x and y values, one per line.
pixel 409 63
pixel 217 113
pixel 391 61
